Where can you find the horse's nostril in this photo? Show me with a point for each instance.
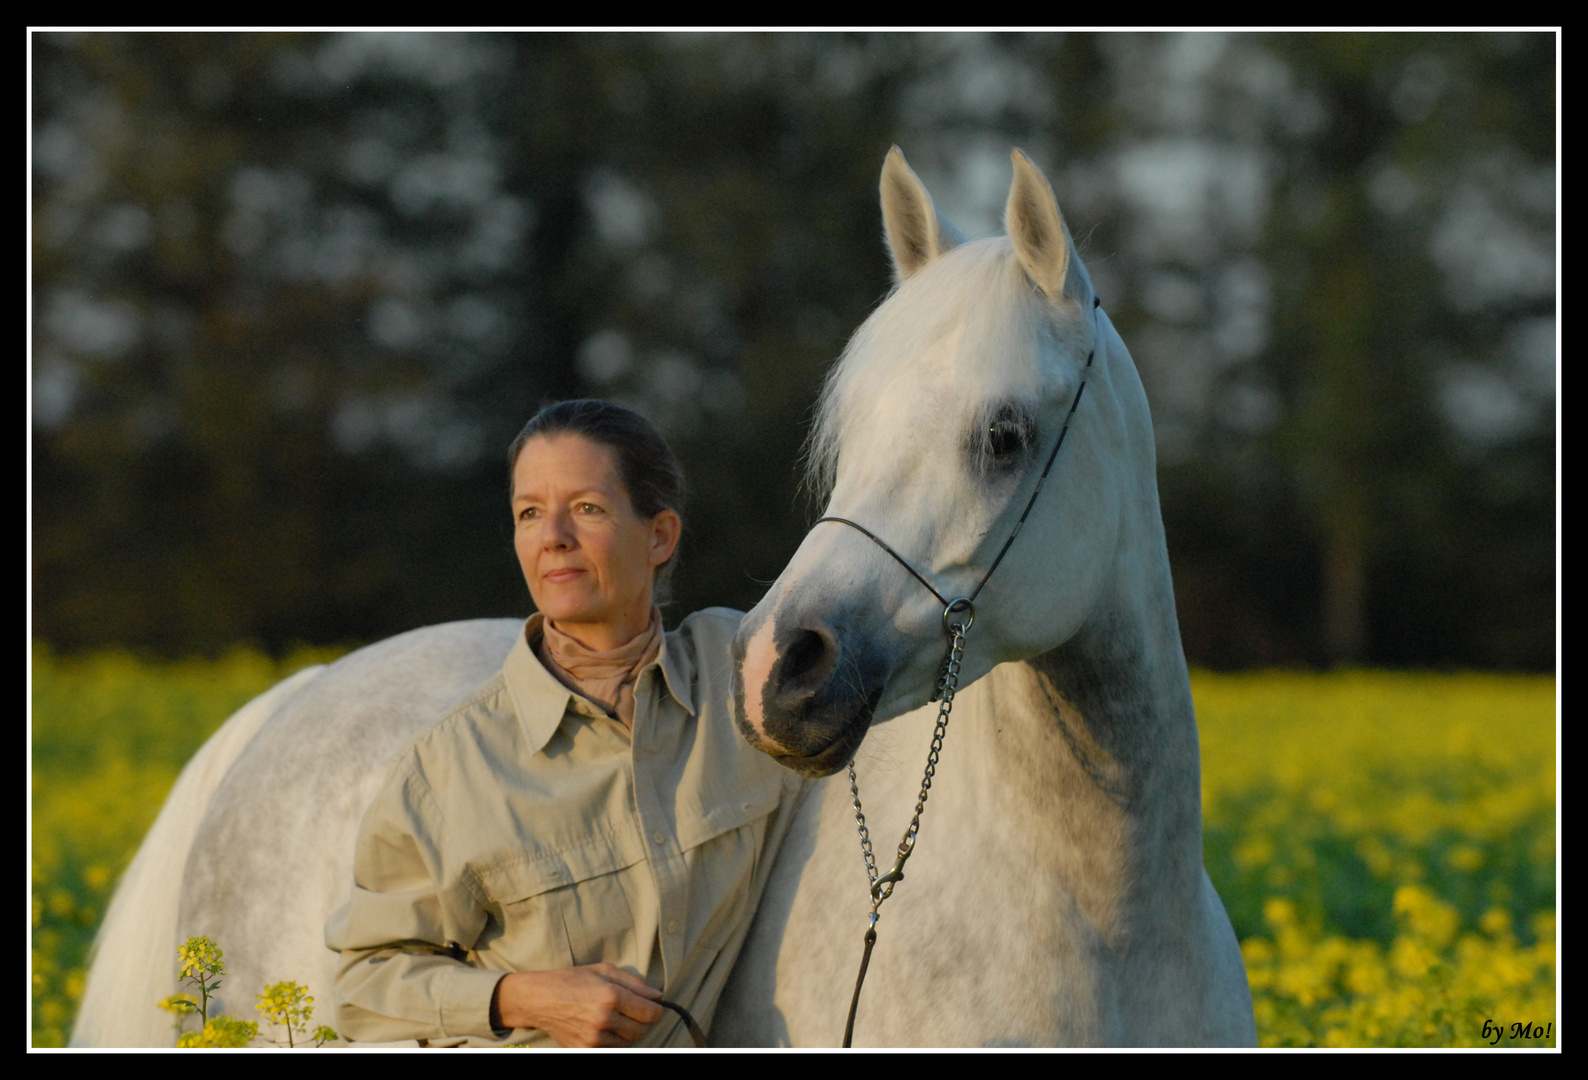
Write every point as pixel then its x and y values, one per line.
pixel 803 655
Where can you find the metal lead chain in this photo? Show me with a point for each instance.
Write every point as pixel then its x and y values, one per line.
pixel 865 835
pixel 957 618
pixel 958 614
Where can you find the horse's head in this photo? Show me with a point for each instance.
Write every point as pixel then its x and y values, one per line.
pixel 932 431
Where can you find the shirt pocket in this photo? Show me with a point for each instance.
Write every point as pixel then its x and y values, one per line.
pixel 528 922
pixel 728 812
pixel 602 925
pixel 722 849
pixel 565 908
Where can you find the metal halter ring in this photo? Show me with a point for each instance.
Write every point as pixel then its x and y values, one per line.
pixel 959 604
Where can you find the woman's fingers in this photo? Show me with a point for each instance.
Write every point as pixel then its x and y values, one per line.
pixel 635 998
pixel 627 979
pixel 625 1014
pixel 644 1010
pixel 596 1005
pixel 624 1028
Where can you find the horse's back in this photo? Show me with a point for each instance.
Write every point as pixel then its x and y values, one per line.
pixel 265 853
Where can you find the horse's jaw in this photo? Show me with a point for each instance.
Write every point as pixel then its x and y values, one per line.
pixel 824 761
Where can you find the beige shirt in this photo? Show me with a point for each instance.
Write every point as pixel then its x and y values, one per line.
pixel 528 830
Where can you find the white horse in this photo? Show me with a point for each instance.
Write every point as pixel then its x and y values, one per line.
pixel 1058 897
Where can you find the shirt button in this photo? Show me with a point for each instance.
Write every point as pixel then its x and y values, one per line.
pixel 660 837
pixel 672 927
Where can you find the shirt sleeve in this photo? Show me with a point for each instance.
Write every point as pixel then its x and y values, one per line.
pixel 405 927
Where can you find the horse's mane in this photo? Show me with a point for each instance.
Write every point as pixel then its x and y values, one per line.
pixel 979 287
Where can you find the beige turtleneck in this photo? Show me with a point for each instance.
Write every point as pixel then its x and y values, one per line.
pixel 605 677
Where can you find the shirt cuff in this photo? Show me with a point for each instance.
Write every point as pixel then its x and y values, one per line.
pixel 464 996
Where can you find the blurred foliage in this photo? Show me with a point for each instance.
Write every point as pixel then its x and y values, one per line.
pixel 294 293
pixel 1385 846
pixel 1384 843
pixel 1431 987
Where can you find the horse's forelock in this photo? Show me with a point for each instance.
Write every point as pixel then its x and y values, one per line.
pixel 978 285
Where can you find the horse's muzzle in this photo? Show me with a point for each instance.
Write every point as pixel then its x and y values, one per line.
pixel 817 698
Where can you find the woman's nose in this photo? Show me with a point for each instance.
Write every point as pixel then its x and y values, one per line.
pixel 557 532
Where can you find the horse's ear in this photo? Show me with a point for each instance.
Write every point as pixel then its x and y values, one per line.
pixel 916 232
pixel 1035 228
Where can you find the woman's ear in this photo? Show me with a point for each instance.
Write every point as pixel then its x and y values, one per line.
pixel 665 529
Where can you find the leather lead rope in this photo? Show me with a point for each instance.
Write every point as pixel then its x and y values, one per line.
pixel 689 1021
pixel 958 614
pixel 860 980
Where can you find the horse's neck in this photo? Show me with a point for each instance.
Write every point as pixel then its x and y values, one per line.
pixel 1093 745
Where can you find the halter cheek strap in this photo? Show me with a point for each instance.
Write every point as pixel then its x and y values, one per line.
pixel 963 603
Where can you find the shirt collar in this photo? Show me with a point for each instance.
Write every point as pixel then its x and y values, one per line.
pixel 678 670
pixel 541 701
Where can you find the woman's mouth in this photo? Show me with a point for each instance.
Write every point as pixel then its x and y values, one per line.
pixel 564 575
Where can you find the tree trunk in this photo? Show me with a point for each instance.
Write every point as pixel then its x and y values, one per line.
pixel 1344 593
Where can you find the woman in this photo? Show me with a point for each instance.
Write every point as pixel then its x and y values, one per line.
pixel 587 829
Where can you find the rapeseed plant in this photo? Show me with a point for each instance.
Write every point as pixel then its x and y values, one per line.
pixel 289 1005
pixel 199 962
pixel 285 1004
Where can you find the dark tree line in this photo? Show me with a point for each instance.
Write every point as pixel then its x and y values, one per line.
pixel 294 294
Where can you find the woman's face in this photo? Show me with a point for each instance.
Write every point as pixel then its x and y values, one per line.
pixel 587 557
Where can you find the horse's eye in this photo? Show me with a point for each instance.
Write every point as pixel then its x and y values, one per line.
pixel 1003 442
pixel 1007 436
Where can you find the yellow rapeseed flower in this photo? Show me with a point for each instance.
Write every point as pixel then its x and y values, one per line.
pixel 199 957
pixel 179 1004
pixel 288 1005
pixel 222 1032
pixel 1496 922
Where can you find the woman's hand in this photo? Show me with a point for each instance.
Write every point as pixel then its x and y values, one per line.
pixel 594 1005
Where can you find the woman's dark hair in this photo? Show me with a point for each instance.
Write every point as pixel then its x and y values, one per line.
pixel 647 466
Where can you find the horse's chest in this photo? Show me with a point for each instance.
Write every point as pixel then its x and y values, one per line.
pixel 977 946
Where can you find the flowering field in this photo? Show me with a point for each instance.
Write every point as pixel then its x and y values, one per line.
pixel 1385 843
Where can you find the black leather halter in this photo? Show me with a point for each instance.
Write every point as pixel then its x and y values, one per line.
pixel 967 603
pixel 958 614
